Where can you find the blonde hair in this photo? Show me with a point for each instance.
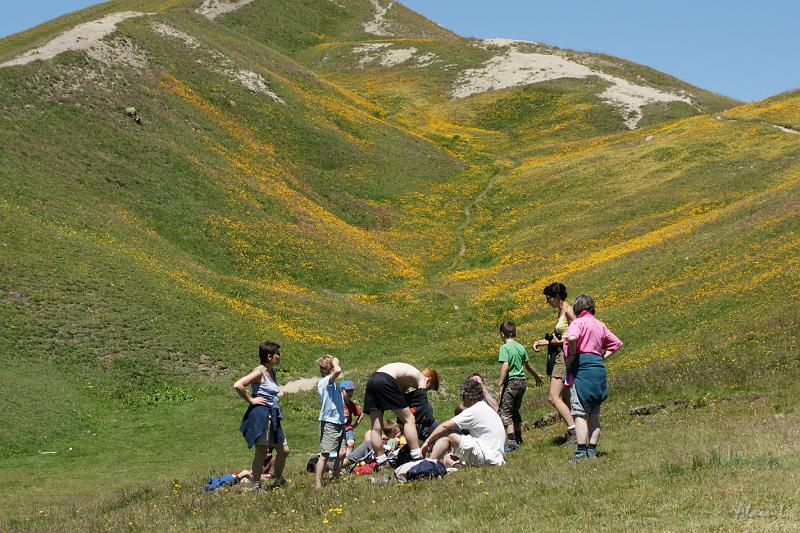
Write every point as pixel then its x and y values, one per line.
pixel 325 364
pixel 391 429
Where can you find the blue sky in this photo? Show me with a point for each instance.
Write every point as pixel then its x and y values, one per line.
pixel 745 49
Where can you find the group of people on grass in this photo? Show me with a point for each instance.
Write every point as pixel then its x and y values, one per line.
pixel 485 426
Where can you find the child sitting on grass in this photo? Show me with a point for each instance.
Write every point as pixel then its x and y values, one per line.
pixel 392 437
pixel 351 409
pixel 331 417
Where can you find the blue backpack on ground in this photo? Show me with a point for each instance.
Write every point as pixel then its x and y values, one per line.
pixel 215 483
pixel 426 470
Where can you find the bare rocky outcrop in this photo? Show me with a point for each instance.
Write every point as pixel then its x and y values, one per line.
pixel 514 68
pixel 211 9
pixel 89 37
pixel 169 31
pixel 379 25
pixel 545 420
pixel 220 63
pixel 380 52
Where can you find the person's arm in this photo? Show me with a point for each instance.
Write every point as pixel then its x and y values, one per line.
pixel 360 412
pixel 442 429
pixel 337 370
pixel 503 378
pixel 555 340
pixel 241 388
pixel 540 342
pixel 536 376
pixel 573 333
pixel 487 397
pixel 572 344
pixel 611 343
pixel 570 313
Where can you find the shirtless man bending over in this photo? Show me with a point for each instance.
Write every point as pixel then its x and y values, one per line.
pixel 385 392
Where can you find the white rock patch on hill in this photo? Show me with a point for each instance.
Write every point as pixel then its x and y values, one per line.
pixel 426 59
pixel 87 36
pixel 497 41
pixel 391 58
pixel 367 51
pixel 169 31
pixel 515 68
pixel 211 9
pixel 379 25
pixel 221 63
pixel 373 52
pixel 120 51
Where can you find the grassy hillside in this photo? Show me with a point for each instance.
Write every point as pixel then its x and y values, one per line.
pixel 279 187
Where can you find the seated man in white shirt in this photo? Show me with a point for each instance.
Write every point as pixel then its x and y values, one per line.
pixel 484 443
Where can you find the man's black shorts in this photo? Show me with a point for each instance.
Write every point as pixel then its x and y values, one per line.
pixel 383 394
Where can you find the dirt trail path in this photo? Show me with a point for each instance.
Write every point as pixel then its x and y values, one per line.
pixel 468 211
pixel 784 129
pixel 299 385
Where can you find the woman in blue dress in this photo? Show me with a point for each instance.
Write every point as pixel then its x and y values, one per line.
pixel 261 425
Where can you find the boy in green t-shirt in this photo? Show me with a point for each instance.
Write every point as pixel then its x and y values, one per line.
pixel 512 386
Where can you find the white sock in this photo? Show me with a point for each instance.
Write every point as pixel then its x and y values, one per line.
pixel 381 459
pixel 571 427
pixel 416 453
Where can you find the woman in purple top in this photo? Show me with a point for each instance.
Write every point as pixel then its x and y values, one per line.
pixel 588 344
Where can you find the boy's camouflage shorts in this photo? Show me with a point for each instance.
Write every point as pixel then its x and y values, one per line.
pixel 511 401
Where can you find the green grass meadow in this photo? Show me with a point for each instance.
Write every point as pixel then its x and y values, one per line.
pixel 373 217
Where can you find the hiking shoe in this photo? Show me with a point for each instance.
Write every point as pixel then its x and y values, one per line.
pixel 278 483
pixel 570 438
pixel 591 453
pixel 510 447
pixel 255 489
pixel 577 457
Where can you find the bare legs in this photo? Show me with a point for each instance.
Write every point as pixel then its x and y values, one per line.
pixel 594 427
pixel 409 430
pixel 258 462
pixel 409 427
pixel 322 463
pixel 280 461
pixel 587 430
pixel 273 466
pixel 444 445
pixel 556 398
pixel 581 430
pixel 377 430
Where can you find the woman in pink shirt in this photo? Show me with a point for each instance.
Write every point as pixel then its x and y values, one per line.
pixel 587 345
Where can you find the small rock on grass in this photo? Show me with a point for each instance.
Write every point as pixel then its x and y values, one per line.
pixel 545 420
pixel 649 409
